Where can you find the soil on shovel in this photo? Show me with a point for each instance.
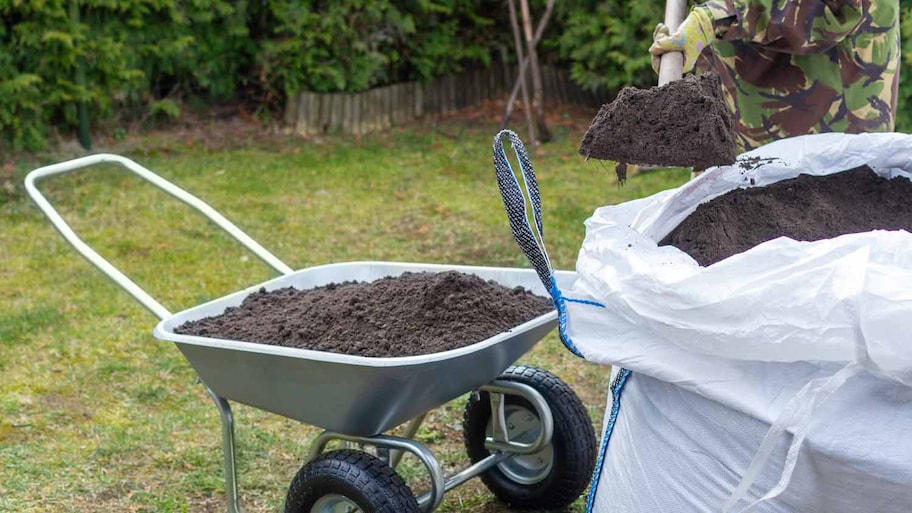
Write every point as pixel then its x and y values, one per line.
pixel 682 123
pixel 805 208
pixel 412 314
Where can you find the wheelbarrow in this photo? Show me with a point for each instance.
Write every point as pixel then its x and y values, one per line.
pixel 526 432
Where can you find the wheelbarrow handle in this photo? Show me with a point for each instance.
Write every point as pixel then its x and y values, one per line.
pixel 97 260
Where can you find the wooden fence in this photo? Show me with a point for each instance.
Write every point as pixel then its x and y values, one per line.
pixel 383 107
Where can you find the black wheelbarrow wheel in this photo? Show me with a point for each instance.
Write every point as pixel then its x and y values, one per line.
pixel 347 481
pixel 553 477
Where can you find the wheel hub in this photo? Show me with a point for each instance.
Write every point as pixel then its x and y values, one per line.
pixel 334 504
pixel 524 426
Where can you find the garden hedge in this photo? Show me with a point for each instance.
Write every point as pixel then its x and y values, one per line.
pixel 128 60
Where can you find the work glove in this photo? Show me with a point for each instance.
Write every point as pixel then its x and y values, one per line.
pixel 694 34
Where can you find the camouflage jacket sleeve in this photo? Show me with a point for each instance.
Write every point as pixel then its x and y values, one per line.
pixel 799 27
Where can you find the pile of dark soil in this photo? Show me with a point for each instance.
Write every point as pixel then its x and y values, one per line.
pixel 412 314
pixel 805 208
pixel 682 123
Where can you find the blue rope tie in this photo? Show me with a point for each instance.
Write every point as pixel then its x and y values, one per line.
pixel 558 299
pixel 616 387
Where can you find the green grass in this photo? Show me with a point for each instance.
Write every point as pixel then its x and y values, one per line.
pixel 97 415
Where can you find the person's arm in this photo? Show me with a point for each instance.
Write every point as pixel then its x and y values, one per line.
pixel 796 26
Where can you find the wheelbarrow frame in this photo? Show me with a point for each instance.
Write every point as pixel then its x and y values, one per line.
pixel 389 448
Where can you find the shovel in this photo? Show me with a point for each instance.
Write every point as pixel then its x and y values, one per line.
pixel 683 122
pixel 671 64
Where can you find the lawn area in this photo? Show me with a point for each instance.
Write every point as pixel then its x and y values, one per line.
pixel 97 415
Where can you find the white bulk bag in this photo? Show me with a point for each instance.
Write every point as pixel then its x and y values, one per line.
pixel 675 450
pixel 777 379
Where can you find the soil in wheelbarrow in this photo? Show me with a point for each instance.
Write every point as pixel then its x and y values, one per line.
pixel 805 208
pixel 412 314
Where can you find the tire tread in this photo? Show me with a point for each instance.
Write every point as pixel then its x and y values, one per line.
pixel 380 485
pixel 573 435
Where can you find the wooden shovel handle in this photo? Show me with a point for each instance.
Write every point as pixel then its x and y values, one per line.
pixel 671 65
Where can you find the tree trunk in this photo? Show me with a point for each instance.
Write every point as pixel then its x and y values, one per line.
pixel 542 23
pixel 517 39
pixel 538 93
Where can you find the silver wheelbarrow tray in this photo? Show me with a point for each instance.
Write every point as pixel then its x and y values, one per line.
pixel 355 395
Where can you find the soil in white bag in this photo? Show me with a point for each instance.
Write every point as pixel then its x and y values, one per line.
pixel 805 208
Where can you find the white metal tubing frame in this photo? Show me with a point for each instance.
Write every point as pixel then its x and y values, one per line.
pixel 135 290
pixel 97 260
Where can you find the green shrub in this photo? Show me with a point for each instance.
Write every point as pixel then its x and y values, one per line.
pixel 133 53
pixel 354 45
pixel 607 42
pixel 449 35
pixel 141 57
